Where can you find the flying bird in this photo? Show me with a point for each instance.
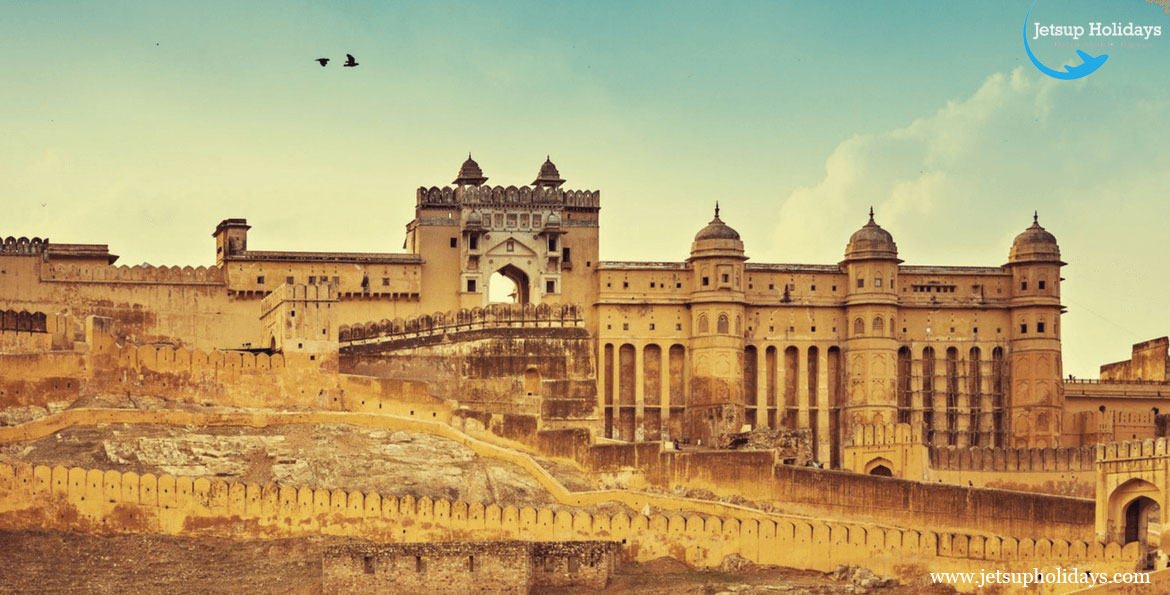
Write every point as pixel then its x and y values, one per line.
pixel 323 61
pixel 350 62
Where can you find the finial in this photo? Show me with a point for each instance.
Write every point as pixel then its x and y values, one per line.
pixel 548 158
pixel 469 154
pixel 1036 217
pixel 871 213
pixel 716 209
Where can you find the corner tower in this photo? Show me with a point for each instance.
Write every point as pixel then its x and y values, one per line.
pixel 716 402
pixel 871 305
pixel 1037 391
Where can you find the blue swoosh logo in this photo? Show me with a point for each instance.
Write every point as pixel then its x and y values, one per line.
pixel 1089 64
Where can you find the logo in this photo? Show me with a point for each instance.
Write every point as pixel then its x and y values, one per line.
pixel 1089 63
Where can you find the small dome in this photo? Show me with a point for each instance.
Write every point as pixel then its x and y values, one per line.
pixel 549 176
pixel 553 221
pixel 871 241
pixel 470 174
pixel 1034 244
pixel 717 230
pixel 474 218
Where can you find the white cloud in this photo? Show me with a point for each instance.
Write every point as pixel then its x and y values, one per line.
pixel 955 186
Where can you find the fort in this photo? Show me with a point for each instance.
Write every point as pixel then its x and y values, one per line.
pixel 901 417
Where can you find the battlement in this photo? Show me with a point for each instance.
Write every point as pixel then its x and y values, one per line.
pixel 510 195
pixel 186 275
pixel 1128 450
pixel 24 246
pixel 953 458
pixel 887 434
pixel 492 316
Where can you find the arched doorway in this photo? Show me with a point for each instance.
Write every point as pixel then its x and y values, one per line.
pixel 881 467
pixel 1142 521
pixel 508 285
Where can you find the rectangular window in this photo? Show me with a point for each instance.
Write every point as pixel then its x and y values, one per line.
pixel 511 246
pixel 288 280
pixel 625 284
pixel 1040 284
pixel 651 326
pixel 536 220
pixel 471 286
pixel 523 219
pixel 860 283
pixel 678 285
pixel 454 242
pixel 678 326
pixel 510 219
pixel 499 219
pixel 368 564
pixel 260 280
pixel 1023 285
pixel 473 243
pixel 814 329
pixel 385 281
pixel 336 280
pixel 725 278
pixel 651 285
pixel 552 244
pixel 565 254
pixel 813 288
pixel 706 281
pixel 312 279
pixel 1023 329
pixel 625 326
pixel 771 286
pixel 1039 327
pixel 550 286
pixel 877 282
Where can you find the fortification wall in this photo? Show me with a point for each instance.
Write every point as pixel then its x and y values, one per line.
pixel 1062 471
pixel 98 501
pixel 186 306
pixel 507 360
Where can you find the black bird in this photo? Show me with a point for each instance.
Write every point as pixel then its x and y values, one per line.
pixel 323 61
pixel 350 62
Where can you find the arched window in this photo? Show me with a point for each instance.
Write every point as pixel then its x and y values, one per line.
pixel 738 326
pixel 858 327
pixel 721 328
pixel 879 326
pixel 703 327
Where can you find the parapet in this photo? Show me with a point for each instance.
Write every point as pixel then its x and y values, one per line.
pixel 24 246
pixel 886 434
pixel 1149 448
pixel 135 274
pixel 492 316
pixel 511 195
pixel 23 321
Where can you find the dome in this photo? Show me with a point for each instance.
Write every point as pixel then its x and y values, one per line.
pixel 717 230
pixel 1034 244
pixel 470 174
pixel 553 221
pixel 549 176
pixel 474 219
pixel 871 241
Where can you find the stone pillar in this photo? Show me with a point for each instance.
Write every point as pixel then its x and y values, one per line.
pixel 940 397
pixel 664 386
pixel 639 393
pixel 761 420
pixel 825 440
pixel 781 387
pixel 802 387
pixel 915 389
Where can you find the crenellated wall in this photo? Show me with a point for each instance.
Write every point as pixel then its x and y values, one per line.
pixel 108 501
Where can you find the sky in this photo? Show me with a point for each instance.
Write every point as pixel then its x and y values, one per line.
pixel 142 125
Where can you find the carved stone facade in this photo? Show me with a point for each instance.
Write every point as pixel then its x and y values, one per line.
pixel 688 350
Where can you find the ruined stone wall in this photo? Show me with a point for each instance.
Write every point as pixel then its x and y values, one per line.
pixel 1149 363
pixel 466 567
pixel 108 501
pixel 541 371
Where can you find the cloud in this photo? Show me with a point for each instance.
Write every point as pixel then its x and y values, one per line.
pixel 955 186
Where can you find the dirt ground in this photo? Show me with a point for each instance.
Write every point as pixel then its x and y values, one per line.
pixel 329 456
pixel 63 562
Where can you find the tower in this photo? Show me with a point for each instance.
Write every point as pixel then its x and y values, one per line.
pixel 716 401
pixel 1037 391
pixel 231 237
pixel 871 347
